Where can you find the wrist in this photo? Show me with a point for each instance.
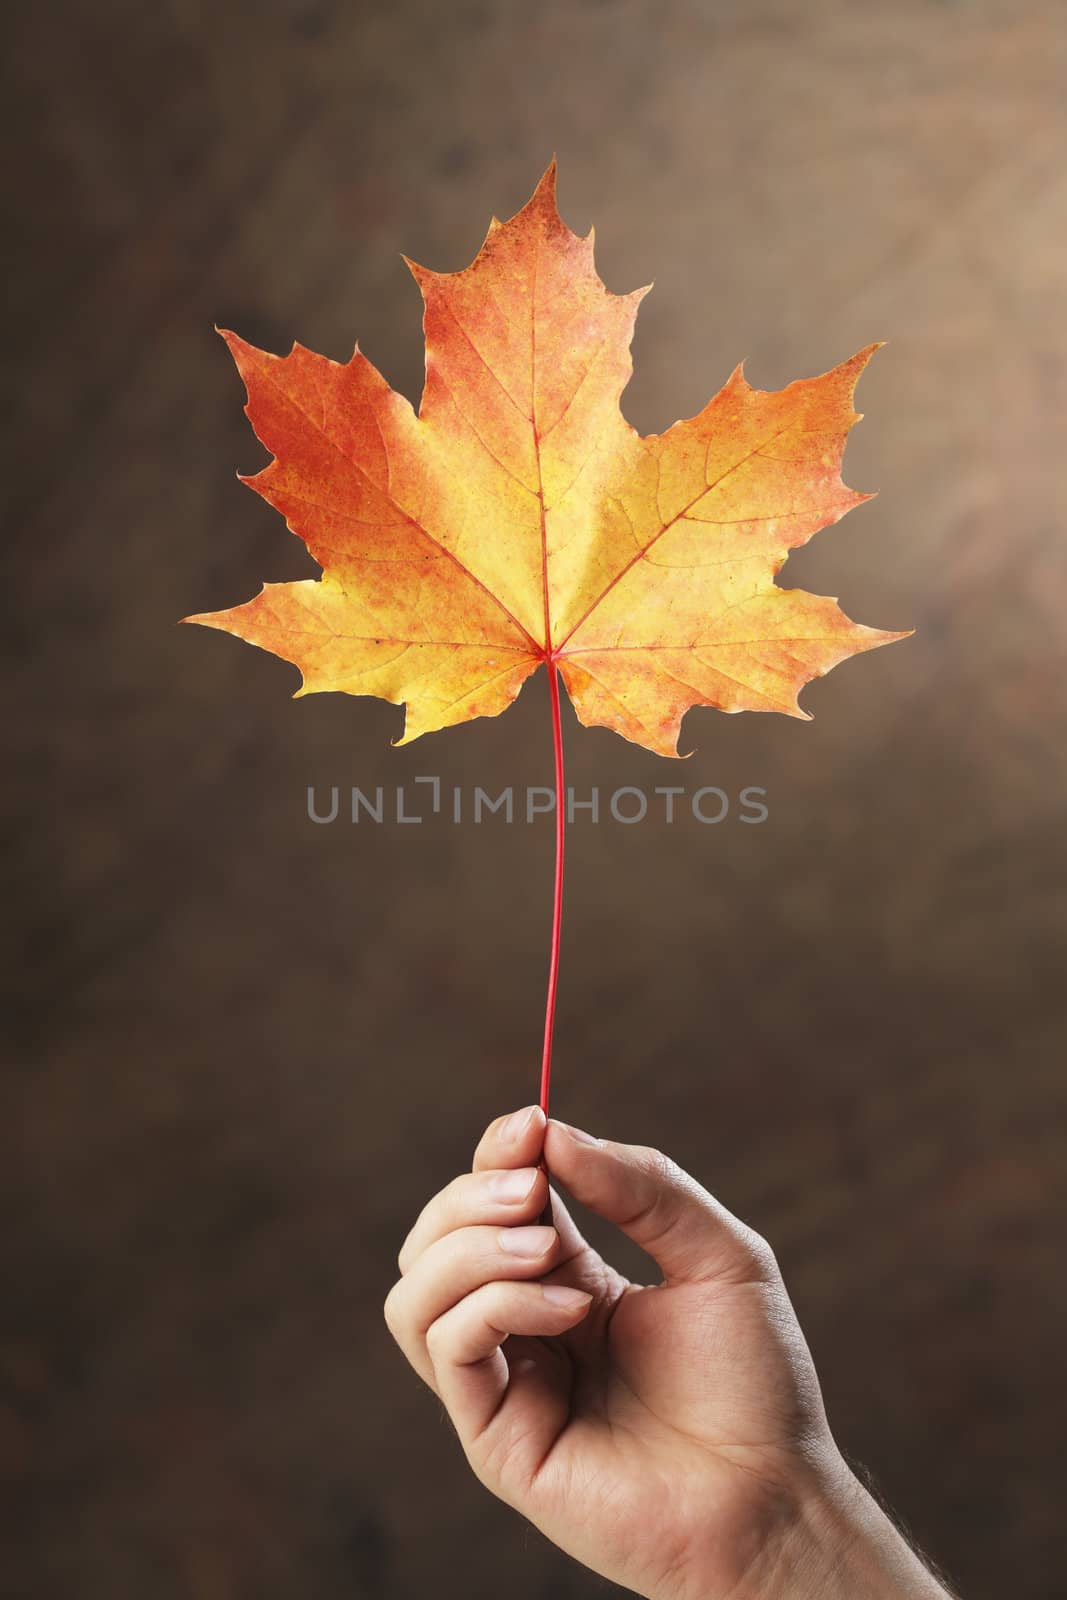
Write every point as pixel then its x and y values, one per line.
pixel 840 1545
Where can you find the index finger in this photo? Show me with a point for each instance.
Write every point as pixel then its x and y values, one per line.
pixel 517 1140
pixel 514 1140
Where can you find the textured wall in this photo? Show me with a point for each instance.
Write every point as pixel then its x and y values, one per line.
pixel 247 1049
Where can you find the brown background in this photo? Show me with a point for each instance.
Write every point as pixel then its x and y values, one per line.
pixel 247 1049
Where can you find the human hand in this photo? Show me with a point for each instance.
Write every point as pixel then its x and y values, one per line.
pixel 671 1437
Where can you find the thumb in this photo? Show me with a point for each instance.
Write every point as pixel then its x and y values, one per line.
pixel 659 1206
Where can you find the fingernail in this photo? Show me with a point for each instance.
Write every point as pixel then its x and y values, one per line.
pixel 533 1241
pixel 516 1125
pixel 512 1186
pixel 576 1133
pixel 571 1299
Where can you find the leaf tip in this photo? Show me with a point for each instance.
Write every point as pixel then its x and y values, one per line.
pixel 233 341
pixel 544 196
pixel 420 274
pixel 855 365
pixel 737 377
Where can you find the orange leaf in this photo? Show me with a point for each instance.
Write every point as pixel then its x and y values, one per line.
pixel 520 519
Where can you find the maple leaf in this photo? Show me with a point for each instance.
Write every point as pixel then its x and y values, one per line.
pixel 519 519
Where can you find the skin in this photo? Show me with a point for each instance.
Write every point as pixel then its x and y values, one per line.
pixel 671 1437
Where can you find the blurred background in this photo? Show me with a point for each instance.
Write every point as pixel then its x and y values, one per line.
pixel 246 1049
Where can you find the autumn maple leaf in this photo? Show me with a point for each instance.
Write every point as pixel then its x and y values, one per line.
pixel 519 519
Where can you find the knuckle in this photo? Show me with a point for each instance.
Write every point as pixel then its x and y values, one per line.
pixel 759 1252
pixel 455 1204
pixel 391 1310
pixel 438 1216
pixel 452 1193
pixel 488 1142
pixel 663 1178
pixel 661 1168
pixel 505 1461
pixel 437 1337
